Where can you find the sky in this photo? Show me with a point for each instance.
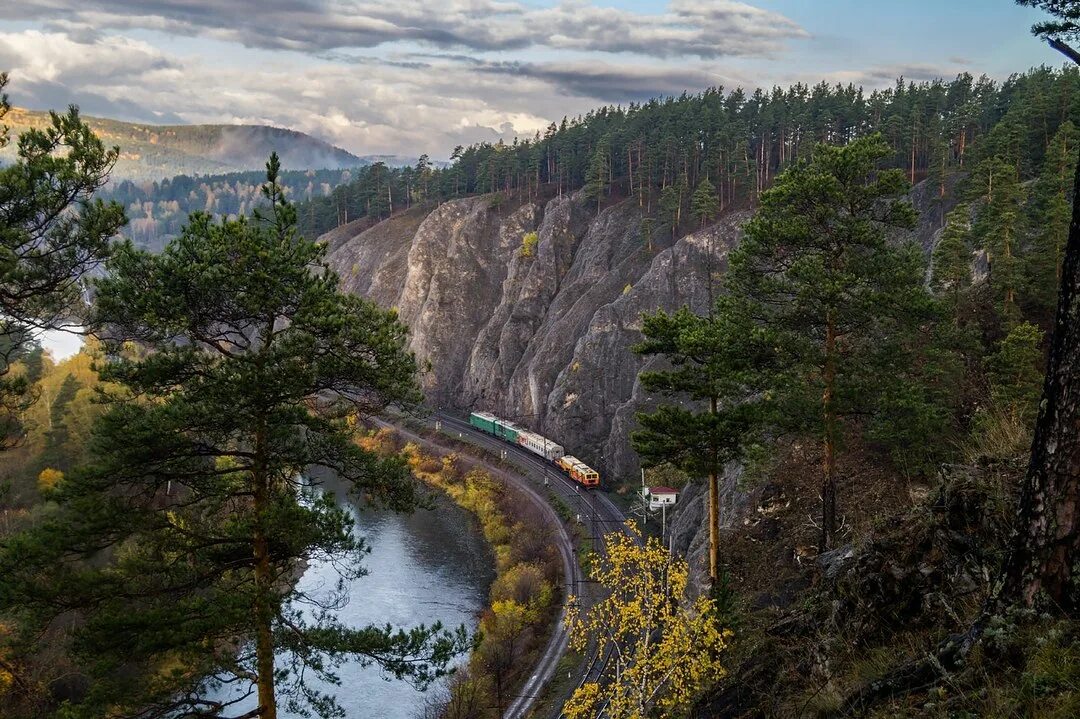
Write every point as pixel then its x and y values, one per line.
pixel 414 76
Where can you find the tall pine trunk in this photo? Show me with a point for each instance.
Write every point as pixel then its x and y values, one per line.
pixel 264 640
pixel 828 486
pixel 1047 543
pixel 714 514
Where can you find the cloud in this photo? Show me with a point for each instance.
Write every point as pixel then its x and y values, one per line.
pixel 44 56
pixel 378 76
pixel 53 70
pixel 55 96
pixel 613 83
pixel 406 103
pixel 879 76
pixel 701 28
pixel 424 105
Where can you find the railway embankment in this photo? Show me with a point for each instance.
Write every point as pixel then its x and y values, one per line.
pixel 523 635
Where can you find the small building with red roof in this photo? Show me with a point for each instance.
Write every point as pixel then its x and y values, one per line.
pixel 662 497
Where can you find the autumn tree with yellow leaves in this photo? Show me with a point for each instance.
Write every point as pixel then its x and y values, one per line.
pixel 661 646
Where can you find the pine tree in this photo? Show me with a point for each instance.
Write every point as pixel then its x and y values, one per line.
pixel 704 204
pixel 56 436
pixel 648 227
pixel 670 201
pixel 423 177
pixel 52 234
pixel 1015 371
pixel 819 273
pixel 1044 552
pixel 596 178
pixel 242 368
pixel 1050 211
pixel 714 360
pixel 998 229
pixel 952 257
pixel 379 191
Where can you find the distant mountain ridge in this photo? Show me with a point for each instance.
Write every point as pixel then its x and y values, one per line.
pixel 160 151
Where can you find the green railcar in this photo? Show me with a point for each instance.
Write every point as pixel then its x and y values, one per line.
pixel 507 430
pixel 483 420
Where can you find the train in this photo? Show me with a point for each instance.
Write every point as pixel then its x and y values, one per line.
pixel 538 444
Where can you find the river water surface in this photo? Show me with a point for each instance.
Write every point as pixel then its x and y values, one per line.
pixel 424 567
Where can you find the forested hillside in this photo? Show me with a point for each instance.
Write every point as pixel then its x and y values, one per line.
pixel 155 152
pixel 842 325
pixel 157 210
pixel 738 141
pixel 865 507
pixel 990 169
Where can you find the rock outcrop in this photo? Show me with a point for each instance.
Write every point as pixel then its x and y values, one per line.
pixel 541 335
pixel 542 331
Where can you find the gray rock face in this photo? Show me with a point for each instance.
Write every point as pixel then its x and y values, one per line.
pixel 543 338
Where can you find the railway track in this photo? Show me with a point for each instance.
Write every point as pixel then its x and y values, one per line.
pixel 604 517
pixel 594 510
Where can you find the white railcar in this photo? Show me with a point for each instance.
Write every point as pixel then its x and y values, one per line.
pixel 538 444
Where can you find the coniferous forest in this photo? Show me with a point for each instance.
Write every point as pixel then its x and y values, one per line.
pixel 866 399
pixel 739 142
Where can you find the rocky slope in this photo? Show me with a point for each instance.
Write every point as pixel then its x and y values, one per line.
pixel 542 337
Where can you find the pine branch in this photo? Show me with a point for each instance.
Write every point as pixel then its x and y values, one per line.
pixel 1064 49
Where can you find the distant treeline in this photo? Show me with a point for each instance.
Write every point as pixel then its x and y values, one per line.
pixel 158 209
pixel 739 142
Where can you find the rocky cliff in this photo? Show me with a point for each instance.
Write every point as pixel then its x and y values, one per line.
pixel 542 336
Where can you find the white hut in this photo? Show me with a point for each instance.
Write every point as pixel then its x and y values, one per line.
pixel 662 497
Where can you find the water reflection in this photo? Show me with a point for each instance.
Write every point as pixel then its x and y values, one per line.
pixel 424 567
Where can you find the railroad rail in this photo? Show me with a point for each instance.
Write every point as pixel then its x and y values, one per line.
pixel 594 510
pixel 604 517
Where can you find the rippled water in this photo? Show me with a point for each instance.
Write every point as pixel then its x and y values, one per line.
pixel 429 566
pixel 432 565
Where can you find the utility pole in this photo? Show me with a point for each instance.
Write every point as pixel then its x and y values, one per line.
pixel 546 461
pixel 644 501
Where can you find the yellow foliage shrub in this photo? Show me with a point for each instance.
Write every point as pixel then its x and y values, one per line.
pixel 669 643
pixel 49 479
pixel 528 244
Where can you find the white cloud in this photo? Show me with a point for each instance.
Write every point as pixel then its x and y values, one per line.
pixel 409 104
pixel 99 53
pixel 702 28
pixel 106 70
pixel 49 56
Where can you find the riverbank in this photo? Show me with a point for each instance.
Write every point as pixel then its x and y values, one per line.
pixel 424 567
pixel 526 595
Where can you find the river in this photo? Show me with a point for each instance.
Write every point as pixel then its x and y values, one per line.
pixel 424 567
